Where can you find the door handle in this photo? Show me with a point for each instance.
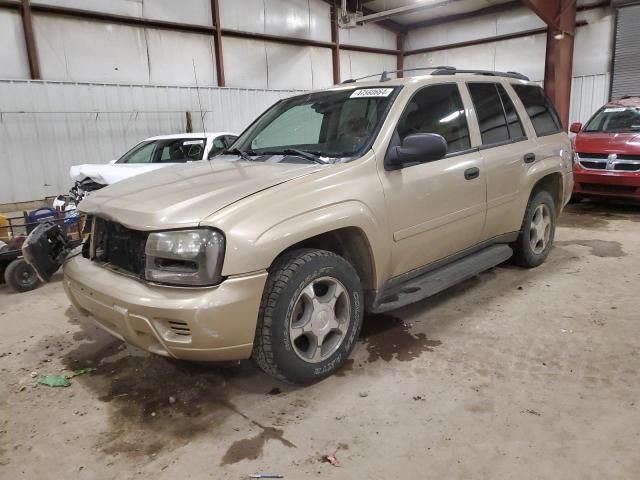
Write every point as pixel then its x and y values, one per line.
pixel 471 173
pixel 529 157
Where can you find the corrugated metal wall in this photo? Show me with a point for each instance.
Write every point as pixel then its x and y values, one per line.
pixel 45 127
pixel 588 94
pixel 626 64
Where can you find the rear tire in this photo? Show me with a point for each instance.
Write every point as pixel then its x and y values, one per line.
pixel 310 316
pixel 538 230
pixel 20 276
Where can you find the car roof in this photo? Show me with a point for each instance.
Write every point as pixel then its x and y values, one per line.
pixel 190 135
pixel 625 102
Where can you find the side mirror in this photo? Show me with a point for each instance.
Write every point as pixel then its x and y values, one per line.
pixel 111 162
pixel 416 148
pixel 575 127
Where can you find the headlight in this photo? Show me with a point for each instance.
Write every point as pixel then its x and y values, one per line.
pixel 185 257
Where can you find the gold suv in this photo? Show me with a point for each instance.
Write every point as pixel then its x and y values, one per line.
pixel 363 197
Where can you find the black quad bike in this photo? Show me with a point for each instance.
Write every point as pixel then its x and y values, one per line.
pixel 15 269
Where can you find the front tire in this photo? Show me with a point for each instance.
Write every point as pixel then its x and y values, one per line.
pixel 310 316
pixel 538 230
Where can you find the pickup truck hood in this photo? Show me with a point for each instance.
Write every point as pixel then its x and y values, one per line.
pixel 183 195
pixel 112 173
pixel 620 143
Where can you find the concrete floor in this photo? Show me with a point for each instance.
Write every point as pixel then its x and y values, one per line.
pixel 514 374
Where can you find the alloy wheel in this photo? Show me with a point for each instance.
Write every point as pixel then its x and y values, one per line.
pixel 320 319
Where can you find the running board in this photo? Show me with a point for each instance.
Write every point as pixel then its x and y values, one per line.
pixel 441 278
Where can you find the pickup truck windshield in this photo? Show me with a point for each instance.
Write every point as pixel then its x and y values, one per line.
pixel 174 150
pixel 615 120
pixel 328 125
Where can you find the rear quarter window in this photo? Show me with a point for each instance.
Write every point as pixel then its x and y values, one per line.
pixel 539 108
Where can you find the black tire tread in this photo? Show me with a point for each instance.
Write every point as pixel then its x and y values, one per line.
pixel 9 277
pixel 519 256
pixel 280 274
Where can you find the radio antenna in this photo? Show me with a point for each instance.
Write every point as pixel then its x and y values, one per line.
pixel 195 75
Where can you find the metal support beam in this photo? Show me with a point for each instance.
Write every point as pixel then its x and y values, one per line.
pixel 217 42
pixel 560 17
pixel 491 10
pixel 121 19
pixel 30 40
pixel 480 41
pixel 404 10
pixel 335 49
pixel 400 56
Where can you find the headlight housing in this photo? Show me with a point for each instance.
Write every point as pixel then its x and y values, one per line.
pixel 185 257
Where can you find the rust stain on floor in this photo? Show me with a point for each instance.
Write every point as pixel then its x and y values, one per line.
pixel 158 403
pixel 599 248
pixel 387 337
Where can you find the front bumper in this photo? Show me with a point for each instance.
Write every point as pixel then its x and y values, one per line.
pixel 606 183
pixel 202 324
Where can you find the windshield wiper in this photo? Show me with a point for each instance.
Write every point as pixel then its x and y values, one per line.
pixel 244 155
pixel 308 155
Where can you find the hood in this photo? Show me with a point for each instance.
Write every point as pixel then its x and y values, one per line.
pixel 182 195
pixel 599 142
pixel 112 173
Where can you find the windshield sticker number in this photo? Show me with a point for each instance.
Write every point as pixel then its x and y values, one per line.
pixel 371 92
pixel 192 142
pixel 616 109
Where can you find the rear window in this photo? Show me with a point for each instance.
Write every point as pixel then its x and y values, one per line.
pixel 539 108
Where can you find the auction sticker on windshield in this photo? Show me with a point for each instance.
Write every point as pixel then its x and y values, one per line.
pixel 615 109
pixel 371 92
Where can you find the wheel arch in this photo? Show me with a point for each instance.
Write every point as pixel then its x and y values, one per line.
pixel 349 229
pixel 553 183
pixel 352 244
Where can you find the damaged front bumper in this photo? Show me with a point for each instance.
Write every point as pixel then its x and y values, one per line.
pixel 203 324
pixel 191 323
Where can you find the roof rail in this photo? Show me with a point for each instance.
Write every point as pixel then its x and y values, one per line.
pixel 441 70
pixel 384 75
pixel 453 71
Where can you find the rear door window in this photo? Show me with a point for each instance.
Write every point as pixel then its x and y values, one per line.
pixel 516 132
pixel 490 113
pixel 539 108
pixel 437 109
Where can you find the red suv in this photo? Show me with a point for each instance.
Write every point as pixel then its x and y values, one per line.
pixel 607 152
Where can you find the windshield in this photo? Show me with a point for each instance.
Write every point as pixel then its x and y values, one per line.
pixel 331 124
pixel 615 119
pixel 175 150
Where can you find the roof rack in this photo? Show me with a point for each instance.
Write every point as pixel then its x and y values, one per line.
pixel 384 76
pixel 441 70
pixel 494 73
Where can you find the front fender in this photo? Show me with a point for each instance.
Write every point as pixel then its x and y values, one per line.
pixel 257 252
